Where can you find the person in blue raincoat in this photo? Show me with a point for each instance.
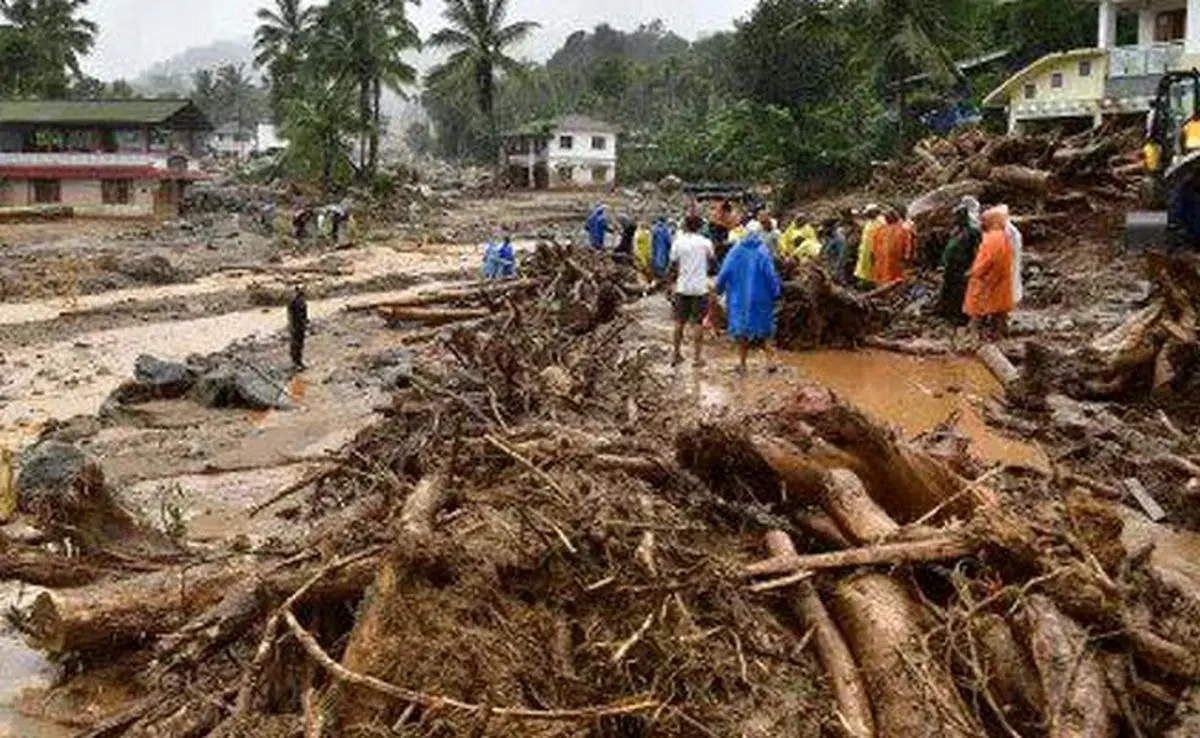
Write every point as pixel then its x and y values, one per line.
pixel 507 258
pixel 751 286
pixel 660 247
pixel 597 226
pixel 491 260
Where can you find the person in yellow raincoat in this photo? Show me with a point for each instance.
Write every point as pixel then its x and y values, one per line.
pixel 791 236
pixel 642 255
pixel 865 266
pixel 808 245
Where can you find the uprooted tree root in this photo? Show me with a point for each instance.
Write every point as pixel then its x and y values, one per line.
pixel 509 551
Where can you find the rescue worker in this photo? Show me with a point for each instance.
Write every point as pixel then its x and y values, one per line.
pixel 297 326
pixel 643 254
pixel 1017 241
pixel 989 297
pixel 597 226
pixel 957 259
pixel 833 248
pixel 808 245
pixel 864 269
pixel 790 236
pixel 623 252
pixel 660 245
pixel 751 286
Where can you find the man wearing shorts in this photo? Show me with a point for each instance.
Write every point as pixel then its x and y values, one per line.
pixel 691 254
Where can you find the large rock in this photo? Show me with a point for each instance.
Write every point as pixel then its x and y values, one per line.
pixel 52 469
pixel 244 388
pixel 153 379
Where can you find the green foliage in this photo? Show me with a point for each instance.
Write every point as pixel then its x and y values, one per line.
pixel 328 66
pixel 228 95
pixel 42 47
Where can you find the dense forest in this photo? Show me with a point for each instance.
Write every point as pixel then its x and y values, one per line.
pixel 798 90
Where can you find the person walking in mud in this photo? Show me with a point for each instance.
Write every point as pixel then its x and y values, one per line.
pixel 297 326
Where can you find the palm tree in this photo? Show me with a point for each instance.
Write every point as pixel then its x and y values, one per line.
pixel 479 41
pixel 59 36
pixel 362 41
pixel 910 36
pixel 317 124
pixel 235 92
pixel 279 43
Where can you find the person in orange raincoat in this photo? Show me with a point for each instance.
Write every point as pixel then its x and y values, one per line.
pixel 890 248
pixel 990 282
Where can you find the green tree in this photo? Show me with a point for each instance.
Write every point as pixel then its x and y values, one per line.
pixel 119 89
pixel 56 37
pixel 479 42
pixel 318 124
pixel 279 45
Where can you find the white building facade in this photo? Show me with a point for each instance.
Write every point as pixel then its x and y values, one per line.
pixel 571 152
pixel 1108 79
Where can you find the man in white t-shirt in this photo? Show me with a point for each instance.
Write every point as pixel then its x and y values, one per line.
pixel 691 254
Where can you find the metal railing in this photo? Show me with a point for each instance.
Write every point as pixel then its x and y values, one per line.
pixel 1142 61
pixel 87 159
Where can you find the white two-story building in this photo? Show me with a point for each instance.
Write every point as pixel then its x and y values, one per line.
pixel 1108 79
pixel 571 151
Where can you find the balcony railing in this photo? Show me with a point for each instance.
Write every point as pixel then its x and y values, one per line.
pixel 81 159
pixel 1142 61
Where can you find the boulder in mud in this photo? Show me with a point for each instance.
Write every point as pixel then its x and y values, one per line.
pixel 224 388
pixel 153 379
pixel 149 269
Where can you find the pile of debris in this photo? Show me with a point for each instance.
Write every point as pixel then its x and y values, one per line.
pixel 513 550
pixel 817 312
pixel 1045 178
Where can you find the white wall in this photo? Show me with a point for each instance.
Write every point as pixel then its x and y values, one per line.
pixel 583 160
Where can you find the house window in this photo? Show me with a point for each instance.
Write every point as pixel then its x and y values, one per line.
pixel 1030 91
pixel 599 143
pixel 565 172
pixel 566 142
pixel 599 175
pixel 47 191
pixel 116 191
pixel 1170 25
pixel 1085 68
pixel 1056 81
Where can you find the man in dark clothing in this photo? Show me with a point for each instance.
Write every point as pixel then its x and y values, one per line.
pixel 300 220
pixel 298 326
pixel 623 253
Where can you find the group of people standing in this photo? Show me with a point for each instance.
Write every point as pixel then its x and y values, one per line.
pixel 981 268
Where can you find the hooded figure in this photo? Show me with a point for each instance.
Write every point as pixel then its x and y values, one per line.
pixel 507 258
pixel 990 289
pixel 597 226
pixel 865 267
pixel 958 258
pixel 751 286
pixel 1017 242
pixel 660 247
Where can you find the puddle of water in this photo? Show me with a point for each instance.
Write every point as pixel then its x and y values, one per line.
pixel 913 393
pixel 22 669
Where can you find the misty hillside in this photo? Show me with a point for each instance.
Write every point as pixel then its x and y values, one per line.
pixel 173 75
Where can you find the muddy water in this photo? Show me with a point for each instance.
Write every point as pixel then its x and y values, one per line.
pixel 912 393
pixel 22 669
pixel 365 264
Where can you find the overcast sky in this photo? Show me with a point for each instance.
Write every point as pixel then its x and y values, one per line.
pixel 137 33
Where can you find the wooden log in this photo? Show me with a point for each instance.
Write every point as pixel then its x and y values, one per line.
pixel 823 528
pixel 998 364
pixel 1022 178
pixel 912 693
pixel 847 502
pixel 906 482
pixel 1078 704
pixel 854 706
pixel 129 610
pixel 1011 675
pixel 940 548
pixel 457 294
pixel 368 650
pixel 34 565
pixel 432 316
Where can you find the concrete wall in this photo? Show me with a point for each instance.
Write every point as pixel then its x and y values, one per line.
pixel 581 165
pixel 85 196
pixel 1074 87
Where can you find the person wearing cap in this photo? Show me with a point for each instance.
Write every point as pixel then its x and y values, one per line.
pixel 865 265
pixel 989 297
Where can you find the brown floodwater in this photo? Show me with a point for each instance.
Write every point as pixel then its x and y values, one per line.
pixel 912 393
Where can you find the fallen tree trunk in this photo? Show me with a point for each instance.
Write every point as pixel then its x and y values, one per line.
pixel 912 693
pixel 998 364
pixel 128 610
pixel 1022 178
pixel 854 706
pixel 43 569
pixel 456 294
pixel 1078 702
pixel 368 648
pixel 432 316
pixel 906 482
pixel 847 502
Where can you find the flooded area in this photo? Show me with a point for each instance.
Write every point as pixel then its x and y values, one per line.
pixel 22 669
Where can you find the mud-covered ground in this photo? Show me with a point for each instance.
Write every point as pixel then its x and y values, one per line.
pixel 73 321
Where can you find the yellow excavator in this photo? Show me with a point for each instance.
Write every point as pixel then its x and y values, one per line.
pixel 1170 218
